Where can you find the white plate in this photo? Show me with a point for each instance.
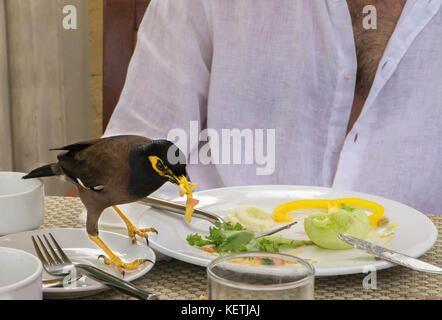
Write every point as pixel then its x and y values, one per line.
pixel 80 249
pixel 414 235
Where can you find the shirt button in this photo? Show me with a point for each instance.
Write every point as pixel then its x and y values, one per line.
pixel 385 63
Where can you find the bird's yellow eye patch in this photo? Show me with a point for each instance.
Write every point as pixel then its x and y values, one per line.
pixel 159 166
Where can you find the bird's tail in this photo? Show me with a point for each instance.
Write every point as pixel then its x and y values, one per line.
pixel 45 171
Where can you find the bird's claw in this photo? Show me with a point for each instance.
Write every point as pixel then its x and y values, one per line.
pixel 102 256
pixel 133 231
pixel 122 266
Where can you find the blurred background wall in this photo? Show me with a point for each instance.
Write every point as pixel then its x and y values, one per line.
pixel 51 78
pixel 46 76
pixel 6 160
pixel 96 64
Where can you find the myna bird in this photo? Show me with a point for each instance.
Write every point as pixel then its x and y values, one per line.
pixel 118 170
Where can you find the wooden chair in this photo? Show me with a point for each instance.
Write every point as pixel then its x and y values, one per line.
pixel 121 20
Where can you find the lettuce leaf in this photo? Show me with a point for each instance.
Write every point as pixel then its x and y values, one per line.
pixel 226 238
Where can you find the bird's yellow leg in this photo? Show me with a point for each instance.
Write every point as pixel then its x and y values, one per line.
pixel 132 230
pixel 113 260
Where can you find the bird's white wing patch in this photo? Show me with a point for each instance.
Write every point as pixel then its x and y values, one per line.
pixel 78 180
pixel 81 183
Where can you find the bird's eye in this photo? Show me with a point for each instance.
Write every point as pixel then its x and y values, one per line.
pixel 160 166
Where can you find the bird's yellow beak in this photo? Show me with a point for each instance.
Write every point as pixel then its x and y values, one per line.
pixel 187 188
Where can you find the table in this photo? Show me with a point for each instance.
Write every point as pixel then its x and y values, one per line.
pixel 174 279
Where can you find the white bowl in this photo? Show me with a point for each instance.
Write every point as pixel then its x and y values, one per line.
pixel 21 203
pixel 20 275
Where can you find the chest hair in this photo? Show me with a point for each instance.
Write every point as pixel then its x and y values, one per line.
pixel 371 43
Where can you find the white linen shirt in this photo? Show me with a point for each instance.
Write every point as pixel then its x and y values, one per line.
pixel 290 65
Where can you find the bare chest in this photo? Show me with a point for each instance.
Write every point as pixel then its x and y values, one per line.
pixel 370 42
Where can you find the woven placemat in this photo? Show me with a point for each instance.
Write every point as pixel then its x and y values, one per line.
pixel 174 279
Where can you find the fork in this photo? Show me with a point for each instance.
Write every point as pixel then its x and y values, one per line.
pixel 60 265
pixel 169 206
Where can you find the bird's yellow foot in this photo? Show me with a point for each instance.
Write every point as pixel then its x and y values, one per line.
pixel 122 266
pixel 132 230
pixel 113 260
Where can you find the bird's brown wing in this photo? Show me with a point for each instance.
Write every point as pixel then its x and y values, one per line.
pixel 95 162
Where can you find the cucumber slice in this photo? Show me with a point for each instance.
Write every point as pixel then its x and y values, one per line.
pixel 323 228
pixel 252 218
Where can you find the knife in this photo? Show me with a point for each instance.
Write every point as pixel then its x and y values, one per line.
pixel 390 255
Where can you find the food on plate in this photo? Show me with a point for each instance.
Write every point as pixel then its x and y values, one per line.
pixel 323 228
pixel 227 237
pixel 252 218
pixel 386 235
pixel 383 221
pixel 187 188
pixel 280 212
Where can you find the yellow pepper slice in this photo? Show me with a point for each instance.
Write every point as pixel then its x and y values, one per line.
pixel 377 209
pixel 280 212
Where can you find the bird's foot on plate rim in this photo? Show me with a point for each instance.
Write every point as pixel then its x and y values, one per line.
pixel 133 231
pixel 123 266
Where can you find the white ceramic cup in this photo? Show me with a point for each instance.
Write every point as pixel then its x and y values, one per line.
pixel 21 203
pixel 20 275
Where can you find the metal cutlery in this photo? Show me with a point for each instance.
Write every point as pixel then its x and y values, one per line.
pixel 59 282
pixel 169 206
pixel 390 255
pixel 60 265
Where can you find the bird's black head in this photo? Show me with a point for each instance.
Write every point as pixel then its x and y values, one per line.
pixel 155 163
pixel 166 160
